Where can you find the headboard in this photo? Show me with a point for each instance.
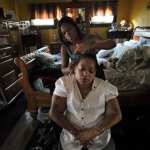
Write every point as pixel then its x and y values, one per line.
pixel 141 32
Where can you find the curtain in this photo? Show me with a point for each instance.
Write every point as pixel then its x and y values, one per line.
pixel 42 11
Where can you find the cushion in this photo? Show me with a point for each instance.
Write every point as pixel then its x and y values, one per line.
pixel 104 53
pixel 45 58
pixel 144 40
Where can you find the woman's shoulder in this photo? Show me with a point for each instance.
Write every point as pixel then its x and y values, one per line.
pixel 104 83
pixel 66 79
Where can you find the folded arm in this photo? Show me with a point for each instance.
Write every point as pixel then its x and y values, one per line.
pixel 56 113
pixel 111 117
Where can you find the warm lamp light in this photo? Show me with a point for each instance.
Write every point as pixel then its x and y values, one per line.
pixel 97 19
pixel 101 18
pixel 123 23
pixel 42 22
pixel 58 13
pixel 126 26
pixel 100 12
pixel 108 12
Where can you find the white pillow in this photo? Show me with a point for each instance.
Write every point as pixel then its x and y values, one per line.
pixel 144 40
pixel 44 58
pixel 104 53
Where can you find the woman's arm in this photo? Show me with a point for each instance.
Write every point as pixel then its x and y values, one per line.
pixel 94 43
pixel 56 113
pixel 104 44
pixel 111 117
pixel 64 61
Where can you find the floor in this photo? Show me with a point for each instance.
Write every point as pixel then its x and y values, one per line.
pixel 131 134
pixel 16 126
pixel 20 134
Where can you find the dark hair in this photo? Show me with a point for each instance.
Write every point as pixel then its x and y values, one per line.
pixel 92 56
pixel 87 55
pixel 70 21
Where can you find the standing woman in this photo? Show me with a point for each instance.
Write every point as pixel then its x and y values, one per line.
pixel 86 107
pixel 74 43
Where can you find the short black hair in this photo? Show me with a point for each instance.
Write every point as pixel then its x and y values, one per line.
pixel 67 20
pixel 87 55
pixel 92 56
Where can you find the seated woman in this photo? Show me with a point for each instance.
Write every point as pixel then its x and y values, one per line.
pixel 86 107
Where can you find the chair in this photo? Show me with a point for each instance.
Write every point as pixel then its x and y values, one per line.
pixel 34 98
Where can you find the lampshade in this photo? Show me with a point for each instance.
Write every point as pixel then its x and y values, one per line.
pixel 108 11
pixel 123 22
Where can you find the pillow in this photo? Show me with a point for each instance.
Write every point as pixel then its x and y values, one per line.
pixel 104 53
pixel 132 43
pixel 43 49
pixel 144 40
pixel 119 50
pixel 45 58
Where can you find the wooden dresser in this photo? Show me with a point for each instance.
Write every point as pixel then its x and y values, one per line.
pixel 9 82
pixel 120 36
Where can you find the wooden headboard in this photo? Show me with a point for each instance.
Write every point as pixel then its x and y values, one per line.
pixel 141 32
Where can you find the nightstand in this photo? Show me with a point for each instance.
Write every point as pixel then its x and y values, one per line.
pixel 119 34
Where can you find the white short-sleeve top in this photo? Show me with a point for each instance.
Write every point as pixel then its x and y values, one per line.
pixel 86 112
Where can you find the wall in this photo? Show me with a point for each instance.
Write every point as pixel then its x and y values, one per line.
pixel 22 9
pixel 140 14
pixel 123 11
pixel 100 31
pixel 5 5
pixel 134 10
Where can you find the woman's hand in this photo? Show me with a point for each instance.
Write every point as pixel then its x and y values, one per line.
pixel 86 136
pixel 71 68
pixel 81 48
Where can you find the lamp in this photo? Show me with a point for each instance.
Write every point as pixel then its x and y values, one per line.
pixel 101 18
pixel 126 26
pixel 123 23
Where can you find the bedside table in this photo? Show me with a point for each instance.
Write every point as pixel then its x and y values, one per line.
pixel 119 34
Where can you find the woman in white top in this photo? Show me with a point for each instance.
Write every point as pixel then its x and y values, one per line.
pixel 85 106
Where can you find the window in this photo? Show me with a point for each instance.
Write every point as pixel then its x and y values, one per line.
pixel 43 15
pixel 103 12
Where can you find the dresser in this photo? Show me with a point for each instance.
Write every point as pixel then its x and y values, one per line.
pixel 9 81
pixel 120 34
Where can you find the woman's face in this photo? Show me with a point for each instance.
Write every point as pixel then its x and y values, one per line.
pixel 85 71
pixel 69 32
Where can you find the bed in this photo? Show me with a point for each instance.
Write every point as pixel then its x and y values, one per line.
pixel 130 71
